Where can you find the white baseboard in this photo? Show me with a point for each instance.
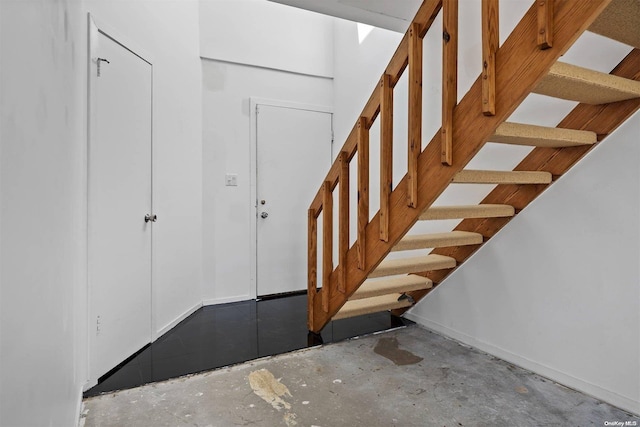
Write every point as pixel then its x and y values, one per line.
pixel 227 300
pixel 600 393
pixel 177 320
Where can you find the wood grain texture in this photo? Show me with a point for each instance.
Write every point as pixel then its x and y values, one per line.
pixel 490 44
pixel 425 17
pixel 312 263
pixel 520 65
pixel 601 119
pixel 449 76
pixel 545 23
pixel 415 113
pixel 386 154
pixel 343 219
pixel 363 189
pixel 327 244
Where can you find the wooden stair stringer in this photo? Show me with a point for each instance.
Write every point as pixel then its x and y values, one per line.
pixel 601 119
pixel 520 66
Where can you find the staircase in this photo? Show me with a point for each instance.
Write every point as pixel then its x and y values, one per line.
pixel 363 280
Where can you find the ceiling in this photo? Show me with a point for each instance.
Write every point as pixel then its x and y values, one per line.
pixel 390 14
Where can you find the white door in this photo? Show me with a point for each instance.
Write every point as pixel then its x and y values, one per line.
pixel 293 157
pixel 119 198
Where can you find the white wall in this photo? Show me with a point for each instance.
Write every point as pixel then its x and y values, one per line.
pixel 228 211
pixel 558 290
pixel 167 31
pixel 266 34
pixel 529 296
pixel 42 136
pixel 227 89
pixel 43 305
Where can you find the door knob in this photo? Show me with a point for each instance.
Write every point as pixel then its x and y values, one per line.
pixel 264 214
pixel 152 218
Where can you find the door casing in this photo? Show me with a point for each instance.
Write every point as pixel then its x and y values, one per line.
pixel 254 103
pixel 95 29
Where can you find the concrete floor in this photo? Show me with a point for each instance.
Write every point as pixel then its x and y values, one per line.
pixel 405 377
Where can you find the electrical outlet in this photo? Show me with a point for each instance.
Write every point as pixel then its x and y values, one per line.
pixel 231 180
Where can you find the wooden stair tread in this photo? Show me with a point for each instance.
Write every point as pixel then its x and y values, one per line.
pixel 580 84
pixel 467 211
pixel 541 136
pixel 412 265
pixel 372 305
pixel 620 21
pixel 438 240
pixel 399 284
pixel 502 177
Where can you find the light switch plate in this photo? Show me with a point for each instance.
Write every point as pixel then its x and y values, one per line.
pixel 231 180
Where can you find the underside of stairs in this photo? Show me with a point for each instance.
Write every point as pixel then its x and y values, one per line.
pixel 364 278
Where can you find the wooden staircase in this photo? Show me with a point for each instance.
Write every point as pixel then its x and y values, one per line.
pixel 364 281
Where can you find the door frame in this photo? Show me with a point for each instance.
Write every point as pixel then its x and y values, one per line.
pixel 95 29
pixel 253 197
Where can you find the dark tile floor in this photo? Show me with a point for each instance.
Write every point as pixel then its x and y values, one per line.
pixel 222 335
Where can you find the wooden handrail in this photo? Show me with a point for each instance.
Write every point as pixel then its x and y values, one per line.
pixel 380 104
pixel 425 17
pixel 386 153
pixel 415 111
pixel 449 76
pixel 363 188
pixel 517 66
pixel 327 244
pixel 490 44
pixel 545 24
pixel 343 219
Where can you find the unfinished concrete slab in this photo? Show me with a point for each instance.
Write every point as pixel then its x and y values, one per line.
pixel 405 377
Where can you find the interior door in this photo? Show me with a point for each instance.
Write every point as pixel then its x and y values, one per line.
pixel 293 156
pixel 119 199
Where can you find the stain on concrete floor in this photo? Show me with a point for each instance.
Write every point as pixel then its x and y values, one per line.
pixel 389 348
pixel 350 384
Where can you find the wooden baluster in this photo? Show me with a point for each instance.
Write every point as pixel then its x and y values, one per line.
pixel 415 112
pixel 490 44
pixel 449 76
pixel 363 189
pixel 312 265
pixel 327 243
pixel 343 219
pixel 545 24
pixel 386 153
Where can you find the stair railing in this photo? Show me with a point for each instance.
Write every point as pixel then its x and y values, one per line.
pixel 380 105
pixel 409 54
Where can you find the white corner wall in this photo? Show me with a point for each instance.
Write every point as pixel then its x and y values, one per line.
pixel 266 34
pixel 43 277
pixel 168 32
pixel 227 87
pixel 42 350
pixel 557 291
